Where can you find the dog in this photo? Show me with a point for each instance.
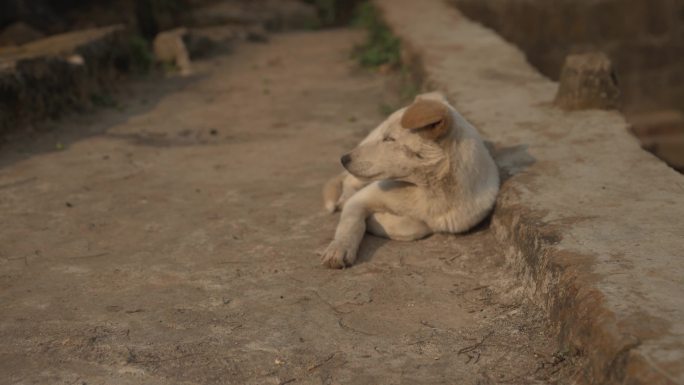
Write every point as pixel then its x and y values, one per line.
pixel 423 170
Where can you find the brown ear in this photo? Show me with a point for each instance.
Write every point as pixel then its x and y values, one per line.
pixel 428 118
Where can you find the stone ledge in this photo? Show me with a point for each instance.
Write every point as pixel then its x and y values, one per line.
pixel 44 78
pixel 592 224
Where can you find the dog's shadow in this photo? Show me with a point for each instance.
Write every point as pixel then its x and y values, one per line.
pixel 510 160
pixel 369 246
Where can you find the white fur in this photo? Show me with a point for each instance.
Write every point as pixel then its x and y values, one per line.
pixel 404 187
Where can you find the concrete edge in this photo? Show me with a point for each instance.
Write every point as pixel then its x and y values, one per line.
pixel 563 283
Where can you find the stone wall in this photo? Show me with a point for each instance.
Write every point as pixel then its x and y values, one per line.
pixel 643 38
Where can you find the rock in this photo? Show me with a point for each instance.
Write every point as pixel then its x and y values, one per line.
pixel 588 81
pixel 169 47
pixel 19 33
pixel 47 77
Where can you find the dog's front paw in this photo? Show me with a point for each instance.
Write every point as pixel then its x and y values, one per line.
pixel 338 255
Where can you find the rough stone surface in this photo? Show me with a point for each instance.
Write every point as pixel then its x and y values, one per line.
pixel 47 77
pixel 172 241
pixel 593 222
pixel 588 81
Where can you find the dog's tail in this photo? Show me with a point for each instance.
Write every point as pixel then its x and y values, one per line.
pixel 332 190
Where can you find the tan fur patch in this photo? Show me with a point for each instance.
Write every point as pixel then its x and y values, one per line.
pixel 429 118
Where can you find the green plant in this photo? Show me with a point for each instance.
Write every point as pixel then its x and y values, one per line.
pixel 381 46
pixel 141 58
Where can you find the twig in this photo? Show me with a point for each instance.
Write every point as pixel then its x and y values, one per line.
pixel 477 345
pixel 316 366
pixel 470 358
pixel 331 306
pixel 477 359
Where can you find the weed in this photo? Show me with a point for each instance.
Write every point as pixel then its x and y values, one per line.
pixel 381 46
pixel 141 59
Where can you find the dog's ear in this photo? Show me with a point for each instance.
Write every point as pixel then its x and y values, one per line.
pixel 428 118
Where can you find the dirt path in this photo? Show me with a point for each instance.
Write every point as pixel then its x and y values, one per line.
pixel 173 241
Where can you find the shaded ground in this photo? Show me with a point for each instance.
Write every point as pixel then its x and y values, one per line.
pixel 172 240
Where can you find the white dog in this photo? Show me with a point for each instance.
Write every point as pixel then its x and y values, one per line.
pixel 423 170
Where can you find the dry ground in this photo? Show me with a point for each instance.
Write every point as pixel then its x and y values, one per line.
pixel 173 239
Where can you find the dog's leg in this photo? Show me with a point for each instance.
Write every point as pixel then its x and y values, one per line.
pixel 332 190
pixel 339 189
pixel 342 250
pixel 350 185
pixel 376 197
pixel 397 227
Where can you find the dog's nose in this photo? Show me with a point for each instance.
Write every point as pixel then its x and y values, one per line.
pixel 345 159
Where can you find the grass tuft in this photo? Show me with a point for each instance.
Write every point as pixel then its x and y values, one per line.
pixel 381 47
pixel 141 58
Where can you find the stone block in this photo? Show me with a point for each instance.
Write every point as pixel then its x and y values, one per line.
pixel 588 82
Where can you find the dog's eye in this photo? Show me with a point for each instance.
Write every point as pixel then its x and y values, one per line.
pixel 388 139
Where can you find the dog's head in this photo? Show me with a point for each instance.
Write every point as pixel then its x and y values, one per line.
pixel 409 144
